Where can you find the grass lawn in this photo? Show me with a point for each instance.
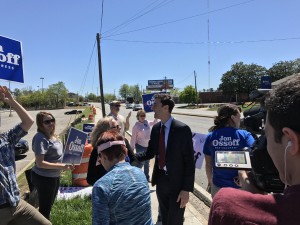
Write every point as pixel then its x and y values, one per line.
pixel 73 211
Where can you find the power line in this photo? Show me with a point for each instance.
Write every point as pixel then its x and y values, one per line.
pixel 182 19
pixel 87 70
pixel 202 42
pixel 137 16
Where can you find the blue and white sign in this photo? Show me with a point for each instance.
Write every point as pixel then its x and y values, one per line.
pixel 198 144
pixel 266 82
pixel 148 101
pixel 74 147
pixel 88 127
pixel 11 62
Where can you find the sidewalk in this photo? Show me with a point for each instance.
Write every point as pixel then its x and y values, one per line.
pixel 192 215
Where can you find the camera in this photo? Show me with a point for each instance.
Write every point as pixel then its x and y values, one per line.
pixel 263 173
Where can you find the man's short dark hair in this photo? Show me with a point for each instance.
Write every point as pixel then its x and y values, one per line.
pixel 166 99
pixel 283 107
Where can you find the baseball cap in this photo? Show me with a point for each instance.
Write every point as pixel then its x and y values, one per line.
pixel 115 102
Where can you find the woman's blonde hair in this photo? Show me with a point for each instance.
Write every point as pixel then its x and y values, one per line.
pixel 102 125
pixel 140 112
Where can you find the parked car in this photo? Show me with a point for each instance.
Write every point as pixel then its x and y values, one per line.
pixel 129 106
pixel 21 147
pixel 136 107
pixel 74 111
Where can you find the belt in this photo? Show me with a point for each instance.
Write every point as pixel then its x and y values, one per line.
pixel 5 205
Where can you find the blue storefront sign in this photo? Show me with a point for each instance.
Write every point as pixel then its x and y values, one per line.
pixel 148 101
pixel 11 60
pixel 266 82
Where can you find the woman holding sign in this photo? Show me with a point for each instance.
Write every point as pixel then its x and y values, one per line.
pixel 48 150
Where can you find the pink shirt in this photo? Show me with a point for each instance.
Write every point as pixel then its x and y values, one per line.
pixel 141 133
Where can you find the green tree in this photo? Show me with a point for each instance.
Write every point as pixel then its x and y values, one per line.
pixel 109 97
pixel 242 78
pixel 283 69
pixel 57 94
pixel 92 97
pixel 187 95
pixel 124 91
pixel 136 93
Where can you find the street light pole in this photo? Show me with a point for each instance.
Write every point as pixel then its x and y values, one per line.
pixel 42 78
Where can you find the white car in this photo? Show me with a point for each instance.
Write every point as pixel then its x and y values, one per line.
pixel 136 107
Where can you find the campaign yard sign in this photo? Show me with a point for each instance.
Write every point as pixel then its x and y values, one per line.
pixel 74 147
pixel 88 128
pixel 148 101
pixel 11 60
pixel 198 144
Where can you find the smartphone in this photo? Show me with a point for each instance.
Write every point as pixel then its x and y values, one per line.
pixel 233 160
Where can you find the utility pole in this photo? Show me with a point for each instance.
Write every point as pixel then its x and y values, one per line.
pixel 196 88
pixel 166 84
pixel 42 78
pixel 100 75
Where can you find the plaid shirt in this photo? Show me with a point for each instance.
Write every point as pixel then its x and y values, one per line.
pixel 9 190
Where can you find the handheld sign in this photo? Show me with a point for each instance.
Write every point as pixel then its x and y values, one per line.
pixel 88 128
pixel 11 60
pixel 148 101
pixel 74 147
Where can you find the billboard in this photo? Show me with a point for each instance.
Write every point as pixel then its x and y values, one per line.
pixel 160 84
pixel 11 60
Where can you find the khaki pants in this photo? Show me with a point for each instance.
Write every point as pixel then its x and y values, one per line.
pixel 24 214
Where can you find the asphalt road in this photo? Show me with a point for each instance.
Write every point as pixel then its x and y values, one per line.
pixel 7 122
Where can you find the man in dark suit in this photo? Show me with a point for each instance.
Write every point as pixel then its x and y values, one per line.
pixel 174 169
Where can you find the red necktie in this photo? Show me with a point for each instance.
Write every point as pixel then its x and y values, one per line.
pixel 161 160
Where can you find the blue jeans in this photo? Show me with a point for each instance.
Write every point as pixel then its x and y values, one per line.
pixel 139 149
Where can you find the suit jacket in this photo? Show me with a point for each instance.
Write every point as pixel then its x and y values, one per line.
pixel 179 156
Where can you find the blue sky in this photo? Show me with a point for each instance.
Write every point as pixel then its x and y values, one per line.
pixel 58 39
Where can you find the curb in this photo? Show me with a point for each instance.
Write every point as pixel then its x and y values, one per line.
pixel 202 194
pixel 25 168
pixel 189 114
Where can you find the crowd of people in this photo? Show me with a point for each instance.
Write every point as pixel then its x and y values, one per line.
pixel 121 192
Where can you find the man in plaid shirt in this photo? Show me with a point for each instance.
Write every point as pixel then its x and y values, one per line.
pixel 14 210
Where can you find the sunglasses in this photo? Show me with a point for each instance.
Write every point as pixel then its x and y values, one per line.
pixel 47 122
pixel 115 127
pixel 142 115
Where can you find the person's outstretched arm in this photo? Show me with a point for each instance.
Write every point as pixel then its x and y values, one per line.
pixel 26 119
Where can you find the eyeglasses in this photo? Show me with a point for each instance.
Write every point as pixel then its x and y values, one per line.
pixel 117 106
pixel 142 115
pixel 115 127
pixel 47 122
